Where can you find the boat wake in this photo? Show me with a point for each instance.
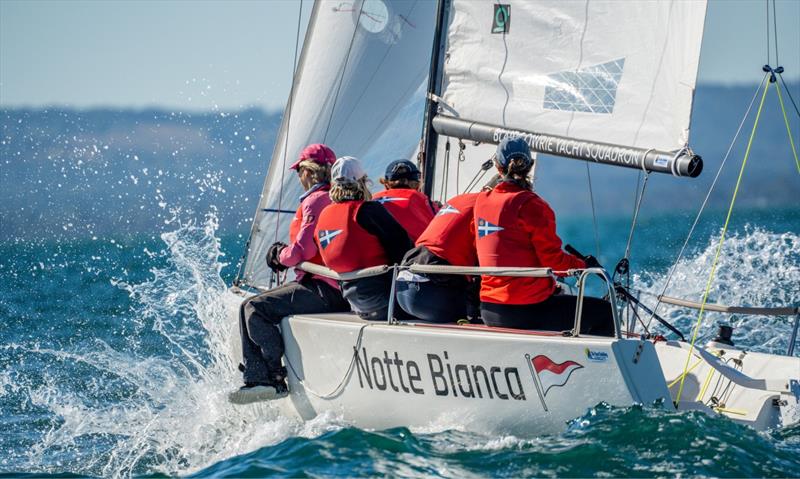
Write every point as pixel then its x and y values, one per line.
pixel 150 396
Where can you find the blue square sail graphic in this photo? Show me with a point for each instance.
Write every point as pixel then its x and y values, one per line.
pixel 589 90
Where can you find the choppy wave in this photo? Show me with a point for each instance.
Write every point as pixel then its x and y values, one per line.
pixel 606 441
pixel 756 267
pixel 132 380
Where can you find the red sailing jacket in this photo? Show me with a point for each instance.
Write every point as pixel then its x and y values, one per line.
pixel 451 233
pixel 515 227
pixel 410 208
pixel 344 244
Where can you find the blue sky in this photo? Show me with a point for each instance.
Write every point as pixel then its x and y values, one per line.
pixel 191 55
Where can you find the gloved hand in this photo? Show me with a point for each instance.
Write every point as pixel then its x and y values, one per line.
pixel 272 257
pixel 591 262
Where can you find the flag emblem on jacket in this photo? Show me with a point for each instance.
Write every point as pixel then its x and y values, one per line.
pixel 487 228
pixel 326 236
pixel 448 210
pixel 389 199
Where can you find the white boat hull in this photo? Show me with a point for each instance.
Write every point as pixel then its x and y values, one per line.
pixel 380 376
pixel 376 376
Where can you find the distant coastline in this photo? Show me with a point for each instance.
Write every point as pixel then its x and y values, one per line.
pixel 73 173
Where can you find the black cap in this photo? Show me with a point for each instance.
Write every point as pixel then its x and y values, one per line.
pixel 402 169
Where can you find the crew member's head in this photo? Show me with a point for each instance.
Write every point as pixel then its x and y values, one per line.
pixel 514 161
pixel 401 174
pixel 314 165
pixel 349 181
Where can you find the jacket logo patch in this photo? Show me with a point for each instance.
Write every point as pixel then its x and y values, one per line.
pixel 487 228
pixel 326 236
pixel 390 199
pixel 447 210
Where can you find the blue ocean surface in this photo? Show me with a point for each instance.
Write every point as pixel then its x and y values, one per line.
pixel 115 361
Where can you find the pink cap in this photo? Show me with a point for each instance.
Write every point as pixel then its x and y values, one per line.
pixel 318 153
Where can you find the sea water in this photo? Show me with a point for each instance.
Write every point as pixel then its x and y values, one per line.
pixel 114 361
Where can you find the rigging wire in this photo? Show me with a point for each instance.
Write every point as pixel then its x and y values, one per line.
pixel 788 128
pixel 445 172
pixel 594 215
pixel 775 31
pixel 344 69
pixel 289 118
pixel 246 252
pixel 715 262
pixel 705 200
pixel 796 110
pixel 769 57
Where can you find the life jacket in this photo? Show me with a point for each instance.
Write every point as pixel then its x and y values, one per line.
pixel 451 233
pixel 410 208
pixel 503 240
pixel 297 222
pixel 346 246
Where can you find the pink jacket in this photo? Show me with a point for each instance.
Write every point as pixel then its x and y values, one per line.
pixel 303 248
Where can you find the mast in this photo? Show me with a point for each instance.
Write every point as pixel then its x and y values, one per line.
pixel 430 138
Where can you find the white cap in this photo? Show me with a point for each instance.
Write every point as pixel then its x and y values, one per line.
pixel 347 169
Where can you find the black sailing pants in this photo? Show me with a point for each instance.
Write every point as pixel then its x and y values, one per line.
pixel 556 313
pixel 259 317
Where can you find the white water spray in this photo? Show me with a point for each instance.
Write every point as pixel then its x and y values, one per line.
pixel 169 411
pixel 756 268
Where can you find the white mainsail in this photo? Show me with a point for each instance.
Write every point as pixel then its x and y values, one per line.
pixel 613 72
pixel 359 88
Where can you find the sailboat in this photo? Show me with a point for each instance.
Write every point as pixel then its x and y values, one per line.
pixel 596 81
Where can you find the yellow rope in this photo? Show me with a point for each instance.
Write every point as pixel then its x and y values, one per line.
pixel 719 246
pixel 788 129
pixel 678 379
pixel 703 390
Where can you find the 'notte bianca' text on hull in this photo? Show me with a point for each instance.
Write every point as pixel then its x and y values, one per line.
pixel 438 374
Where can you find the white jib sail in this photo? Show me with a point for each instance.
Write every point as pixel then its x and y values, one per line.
pixel 620 72
pixel 359 89
pixel 609 71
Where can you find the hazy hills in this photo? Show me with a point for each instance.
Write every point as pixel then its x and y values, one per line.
pixel 68 172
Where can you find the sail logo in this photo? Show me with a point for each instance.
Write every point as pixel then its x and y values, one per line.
pixel 390 199
pixel 326 236
pixel 548 374
pixel 501 21
pixel 487 228
pixel 589 90
pixel 448 210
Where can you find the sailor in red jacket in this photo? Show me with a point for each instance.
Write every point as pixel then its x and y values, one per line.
pixel 449 239
pixel 262 344
pixel 412 209
pixel 354 233
pixel 516 227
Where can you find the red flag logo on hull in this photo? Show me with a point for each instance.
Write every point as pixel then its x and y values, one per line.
pixel 548 374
